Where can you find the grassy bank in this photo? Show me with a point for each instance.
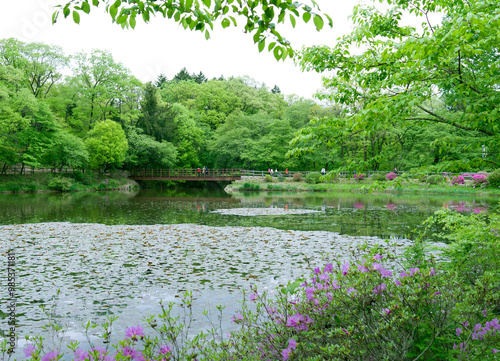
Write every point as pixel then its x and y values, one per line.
pixel 49 182
pixel 363 186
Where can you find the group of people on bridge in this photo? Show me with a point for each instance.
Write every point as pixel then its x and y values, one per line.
pixel 202 171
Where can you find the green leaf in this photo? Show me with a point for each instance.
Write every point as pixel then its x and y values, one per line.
pixel 225 23
pixel 95 2
pixel 262 45
pixel 207 35
pixel 306 17
pixel 189 3
pixel 318 21
pixel 132 22
pixel 113 11
pixel 170 12
pixel 117 3
pixel 271 46
pixel 86 7
pixel 278 52
pixel 76 17
pixel 207 3
pixel 256 37
pixel 54 17
pixel 292 19
pixel 66 12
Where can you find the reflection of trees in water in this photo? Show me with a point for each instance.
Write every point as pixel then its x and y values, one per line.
pixel 353 214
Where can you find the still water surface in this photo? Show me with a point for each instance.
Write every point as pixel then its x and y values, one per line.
pixel 347 213
pixel 131 258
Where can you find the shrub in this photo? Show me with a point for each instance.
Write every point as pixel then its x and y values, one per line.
pixel 60 184
pixel 250 187
pixel 434 179
pixel 313 177
pixel 359 176
pixel 391 176
pixel 297 177
pixel 281 178
pixel 479 179
pixel 84 178
pixel 458 180
pixel 378 177
pixel 494 178
pixel 268 178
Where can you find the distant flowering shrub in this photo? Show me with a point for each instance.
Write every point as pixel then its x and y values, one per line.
pixel 458 180
pixel 479 179
pixel 359 176
pixel 391 176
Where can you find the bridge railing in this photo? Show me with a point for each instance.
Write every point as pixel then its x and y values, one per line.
pixel 183 173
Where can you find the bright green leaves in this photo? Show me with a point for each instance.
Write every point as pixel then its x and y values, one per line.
pixel 306 17
pixel 113 11
pixel 76 17
pixel 225 23
pixel 318 21
pixel 262 45
pixel 86 7
pixel 260 17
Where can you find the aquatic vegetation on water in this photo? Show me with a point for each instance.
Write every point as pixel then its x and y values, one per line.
pixel 108 270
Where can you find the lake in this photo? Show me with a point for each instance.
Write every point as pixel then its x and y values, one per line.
pixel 121 253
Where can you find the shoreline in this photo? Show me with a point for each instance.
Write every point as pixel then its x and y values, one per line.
pixel 259 185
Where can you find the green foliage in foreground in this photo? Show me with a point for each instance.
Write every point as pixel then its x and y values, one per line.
pixel 378 305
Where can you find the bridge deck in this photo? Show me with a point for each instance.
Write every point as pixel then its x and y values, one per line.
pixel 187 174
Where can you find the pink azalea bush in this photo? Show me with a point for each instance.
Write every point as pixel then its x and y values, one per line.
pixel 479 179
pixel 359 176
pixel 391 176
pixel 458 180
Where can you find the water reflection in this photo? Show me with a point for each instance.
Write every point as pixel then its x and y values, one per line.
pixel 347 213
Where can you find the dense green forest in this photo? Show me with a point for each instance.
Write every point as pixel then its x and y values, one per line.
pixel 88 111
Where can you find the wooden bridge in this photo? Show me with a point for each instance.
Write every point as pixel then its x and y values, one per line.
pixel 188 174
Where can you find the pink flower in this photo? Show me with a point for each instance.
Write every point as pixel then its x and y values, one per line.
pixel 51 356
pixel 345 268
pixel 164 350
pixel 386 311
pixel 29 350
pixel 459 331
pixel 236 318
pixel 133 332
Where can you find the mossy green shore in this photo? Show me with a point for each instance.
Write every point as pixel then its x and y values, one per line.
pixel 50 182
pixel 363 186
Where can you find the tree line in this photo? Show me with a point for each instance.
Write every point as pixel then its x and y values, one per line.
pixel 101 116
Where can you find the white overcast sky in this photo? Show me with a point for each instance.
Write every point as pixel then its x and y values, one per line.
pixel 163 46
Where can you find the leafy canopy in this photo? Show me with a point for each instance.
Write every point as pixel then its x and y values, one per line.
pixel 261 18
pixel 387 74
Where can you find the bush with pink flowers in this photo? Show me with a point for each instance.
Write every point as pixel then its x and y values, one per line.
pixel 458 180
pixel 479 180
pixel 391 176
